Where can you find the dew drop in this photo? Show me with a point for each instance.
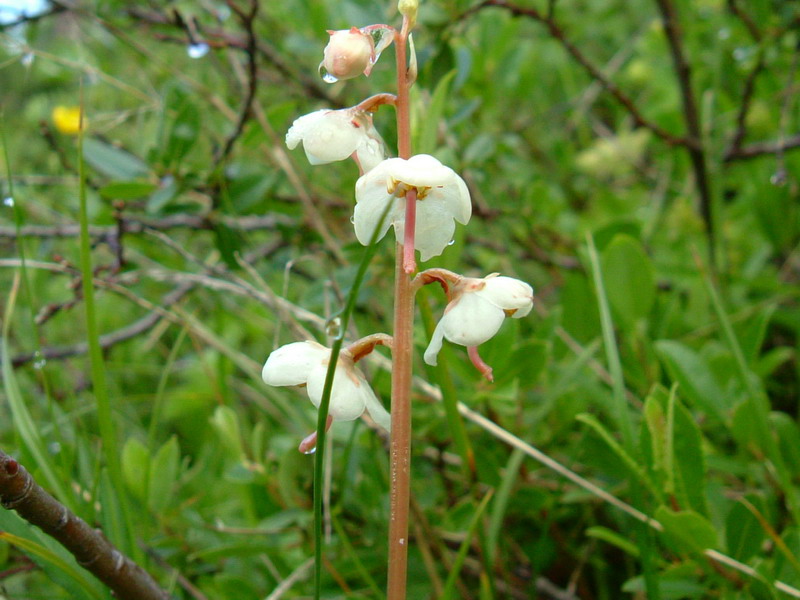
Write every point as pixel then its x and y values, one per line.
pixel 381 38
pixel 311 450
pixel 39 364
pixel 740 54
pixel 8 201
pixel 353 219
pixel 451 242
pixel 326 76
pixel 778 178
pixel 197 50
pixel 333 328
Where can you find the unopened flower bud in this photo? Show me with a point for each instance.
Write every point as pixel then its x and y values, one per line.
pixel 349 53
pixel 409 8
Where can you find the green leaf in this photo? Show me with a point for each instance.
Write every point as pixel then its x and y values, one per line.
pixel 184 128
pixel 127 190
pixel 696 380
pixel 432 116
pixel 688 460
pixel 163 475
pixel 687 531
pixel 136 467
pixel 743 532
pixel 629 278
pixel 113 162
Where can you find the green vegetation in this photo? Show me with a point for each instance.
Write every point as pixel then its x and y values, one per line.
pixel 636 162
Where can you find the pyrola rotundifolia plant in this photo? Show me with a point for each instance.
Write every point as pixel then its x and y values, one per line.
pixel 422 200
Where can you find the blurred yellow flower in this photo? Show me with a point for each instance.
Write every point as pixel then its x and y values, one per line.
pixel 67 119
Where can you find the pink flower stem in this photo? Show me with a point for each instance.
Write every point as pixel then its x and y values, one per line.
pixel 486 370
pixel 409 264
pixel 400 441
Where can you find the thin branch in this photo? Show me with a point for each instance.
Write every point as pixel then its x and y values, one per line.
pixel 557 32
pixel 757 149
pixel 691 114
pixel 139 224
pixel 251 49
pixel 748 92
pixel 19 492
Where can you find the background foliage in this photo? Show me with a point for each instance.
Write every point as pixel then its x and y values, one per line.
pixel 662 364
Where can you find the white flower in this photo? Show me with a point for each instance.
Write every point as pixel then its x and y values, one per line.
pixel 442 197
pixel 306 364
pixel 331 135
pixel 476 310
pixel 349 53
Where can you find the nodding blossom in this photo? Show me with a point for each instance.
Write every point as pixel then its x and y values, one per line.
pixel 349 53
pixel 306 364
pixel 331 135
pixel 442 198
pixel 475 312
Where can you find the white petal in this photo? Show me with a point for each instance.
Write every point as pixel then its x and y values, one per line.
pixel 456 198
pixel 327 135
pixel 292 363
pixel 508 293
pixel 471 320
pixel 422 170
pixel 432 351
pixel 347 395
pixel 434 229
pixel 376 409
pixel 370 154
pixel 371 201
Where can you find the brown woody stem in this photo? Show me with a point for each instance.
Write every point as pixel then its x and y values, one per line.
pixel 19 492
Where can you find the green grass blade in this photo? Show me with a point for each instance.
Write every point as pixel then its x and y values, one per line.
pixel 105 419
pixel 51 557
pixel 324 405
pixel 500 504
pixel 450 584
pixel 19 410
pixel 442 375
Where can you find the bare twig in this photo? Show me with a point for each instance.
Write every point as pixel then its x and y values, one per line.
pixel 248 19
pixel 19 492
pixel 748 92
pixel 691 115
pixel 558 33
pixel 139 224
pixel 757 149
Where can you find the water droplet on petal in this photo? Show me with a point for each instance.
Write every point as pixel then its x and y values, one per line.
pixel 8 201
pixel 353 219
pixel 333 328
pixel 311 450
pixel 197 50
pixel 326 76
pixel 381 38
pixel 451 242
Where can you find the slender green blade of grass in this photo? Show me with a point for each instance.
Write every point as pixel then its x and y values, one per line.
pixel 322 415
pixel 19 410
pixel 105 419
pixel 500 504
pixel 51 557
pixel 756 394
pixel 623 416
pixel 158 402
pixel 442 376
pixel 450 584
pixel 348 547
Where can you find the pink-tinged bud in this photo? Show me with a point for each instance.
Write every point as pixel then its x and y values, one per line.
pixel 348 54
